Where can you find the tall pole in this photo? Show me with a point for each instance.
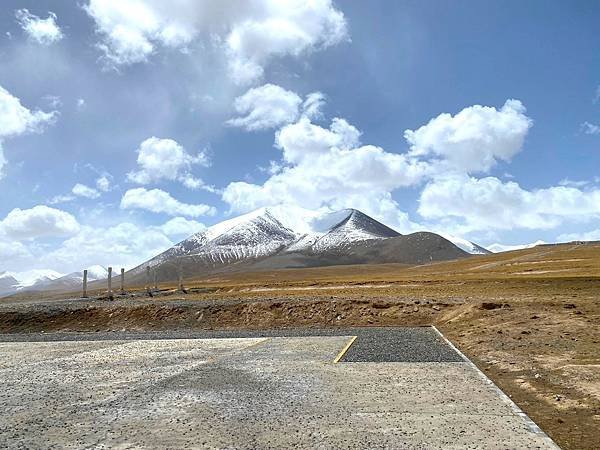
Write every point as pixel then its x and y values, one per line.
pixel 122 280
pixel 180 277
pixel 155 284
pixel 84 294
pixel 110 294
pixel 148 279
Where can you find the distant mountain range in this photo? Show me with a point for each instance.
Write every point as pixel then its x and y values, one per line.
pixel 498 248
pixel 275 238
pixel 46 280
pixel 271 238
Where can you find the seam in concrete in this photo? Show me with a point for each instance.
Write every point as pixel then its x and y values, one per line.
pixel 533 427
pixel 344 350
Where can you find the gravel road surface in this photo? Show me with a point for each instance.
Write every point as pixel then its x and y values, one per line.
pixel 373 344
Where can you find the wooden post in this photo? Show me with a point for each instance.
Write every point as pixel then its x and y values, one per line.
pixel 84 294
pixel 122 280
pixel 110 294
pixel 148 280
pixel 180 277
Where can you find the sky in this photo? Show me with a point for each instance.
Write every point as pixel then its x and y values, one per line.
pixel 127 126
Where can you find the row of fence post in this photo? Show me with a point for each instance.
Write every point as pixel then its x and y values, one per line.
pixel 148 287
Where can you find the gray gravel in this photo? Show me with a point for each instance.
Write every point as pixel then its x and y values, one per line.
pixel 374 344
pixel 267 393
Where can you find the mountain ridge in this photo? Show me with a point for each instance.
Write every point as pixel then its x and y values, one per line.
pixel 270 238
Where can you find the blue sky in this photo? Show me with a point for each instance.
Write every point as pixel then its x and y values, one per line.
pixel 125 126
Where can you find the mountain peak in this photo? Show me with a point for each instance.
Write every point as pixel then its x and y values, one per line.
pixel 286 233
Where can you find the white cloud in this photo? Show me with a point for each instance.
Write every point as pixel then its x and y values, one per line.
pixel 2 161
pixel 119 245
pixel 158 201
pixel 313 105
pixel 590 128
pixel 593 235
pixel 265 107
pixel 180 227
pixel 489 203
pixel 304 139
pixel 271 106
pixel 165 159
pixel 13 253
pixel 250 32
pixel 15 119
pixel 330 168
pixel 81 190
pixel 61 199
pixel 103 183
pixel 497 248
pixel 39 221
pixel 122 245
pixel 474 139
pixel 81 104
pixel 44 31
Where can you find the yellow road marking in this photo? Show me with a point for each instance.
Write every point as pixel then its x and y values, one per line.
pixel 344 350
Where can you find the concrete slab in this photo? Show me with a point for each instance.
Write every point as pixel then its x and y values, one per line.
pixel 282 392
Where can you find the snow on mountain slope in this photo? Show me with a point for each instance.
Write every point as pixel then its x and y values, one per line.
pixel 267 231
pixel 498 248
pixel 96 272
pixel 467 246
pixel 8 284
pixel 34 277
pixel 251 235
pixel 292 236
pixel 45 279
pixel 355 227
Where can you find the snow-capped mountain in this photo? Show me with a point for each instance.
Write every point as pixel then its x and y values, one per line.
pixel 466 245
pixel 268 231
pixel 7 283
pixel 37 279
pixel 46 280
pixel 498 248
pixel 293 237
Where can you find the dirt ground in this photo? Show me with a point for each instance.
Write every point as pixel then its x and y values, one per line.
pixel 529 319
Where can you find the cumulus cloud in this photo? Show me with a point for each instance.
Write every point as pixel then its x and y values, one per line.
pixel 590 128
pixel 164 159
pixel 489 203
pixel 249 32
pixel 313 105
pixel 103 183
pixel 44 31
pixel 121 245
pixel 271 106
pixel 180 227
pixel 39 221
pixel 304 139
pixel 158 201
pixel 593 235
pixel 2 161
pixel 474 139
pixel 81 190
pixel 265 107
pixel 12 253
pixel 16 119
pixel 329 167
